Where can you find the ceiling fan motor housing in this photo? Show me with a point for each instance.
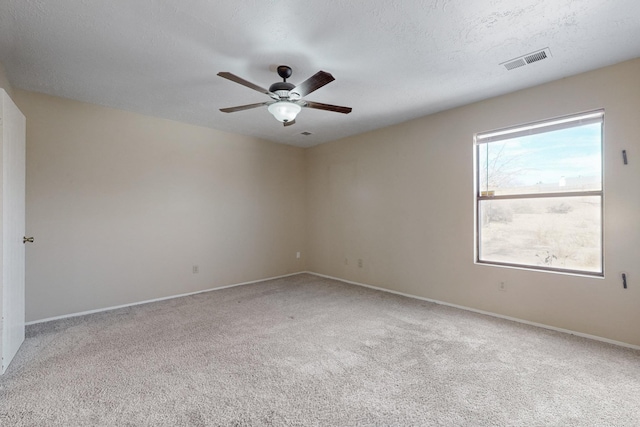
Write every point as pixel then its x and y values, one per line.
pixel 281 89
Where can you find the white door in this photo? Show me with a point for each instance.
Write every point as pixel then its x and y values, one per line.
pixel 13 131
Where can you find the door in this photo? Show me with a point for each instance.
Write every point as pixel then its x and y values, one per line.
pixel 13 131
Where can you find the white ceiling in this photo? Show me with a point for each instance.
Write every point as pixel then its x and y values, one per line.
pixel 393 60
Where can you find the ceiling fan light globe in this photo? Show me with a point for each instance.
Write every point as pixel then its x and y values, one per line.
pixel 284 111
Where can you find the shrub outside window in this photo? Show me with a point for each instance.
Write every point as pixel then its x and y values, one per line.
pixel 539 195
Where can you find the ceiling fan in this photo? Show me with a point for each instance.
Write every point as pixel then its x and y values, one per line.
pixel 287 99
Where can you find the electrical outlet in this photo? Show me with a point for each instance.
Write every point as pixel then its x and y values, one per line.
pixel 298 255
pixel 360 263
pixel 346 261
pixel 502 286
pixel 196 269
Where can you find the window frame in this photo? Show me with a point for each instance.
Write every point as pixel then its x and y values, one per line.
pixel 538 127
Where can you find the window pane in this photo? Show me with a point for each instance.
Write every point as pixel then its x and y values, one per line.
pixel 554 232
pixel 558 161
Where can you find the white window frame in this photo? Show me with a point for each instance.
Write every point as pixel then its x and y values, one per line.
pixel 543 126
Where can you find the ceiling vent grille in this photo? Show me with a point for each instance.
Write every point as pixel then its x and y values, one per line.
pixel 515 64
pixel 527 59
pixel 538 56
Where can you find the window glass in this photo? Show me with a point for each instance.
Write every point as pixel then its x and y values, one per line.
pixel 557 232
pixel 558 161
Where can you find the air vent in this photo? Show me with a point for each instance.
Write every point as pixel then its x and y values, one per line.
pixel 538 56
pixel 515 64
pixel 305 133
pixel 527 59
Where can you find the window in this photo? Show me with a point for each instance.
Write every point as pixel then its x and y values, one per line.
pixel 539 195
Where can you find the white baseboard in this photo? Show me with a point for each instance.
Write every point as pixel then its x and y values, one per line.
pixel 488 313
pixel 99 310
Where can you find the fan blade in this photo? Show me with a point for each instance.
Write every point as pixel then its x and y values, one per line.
pixel 314 82
pixel 243 107
pixel 292 122
pixel 243 82
pixel 328 107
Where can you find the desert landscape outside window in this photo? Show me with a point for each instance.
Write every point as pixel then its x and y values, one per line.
pixel 539 195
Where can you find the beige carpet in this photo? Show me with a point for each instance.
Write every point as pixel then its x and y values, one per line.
pixel 307 351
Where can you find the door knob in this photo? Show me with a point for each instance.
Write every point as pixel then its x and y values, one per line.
pixel 26 239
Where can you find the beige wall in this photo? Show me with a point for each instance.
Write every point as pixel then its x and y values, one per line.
pixel 401 199
pixel 123 205
pixel 4 81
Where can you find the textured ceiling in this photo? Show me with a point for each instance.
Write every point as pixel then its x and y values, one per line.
pixel 393 60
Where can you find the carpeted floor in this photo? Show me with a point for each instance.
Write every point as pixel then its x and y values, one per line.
pixel 308 351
